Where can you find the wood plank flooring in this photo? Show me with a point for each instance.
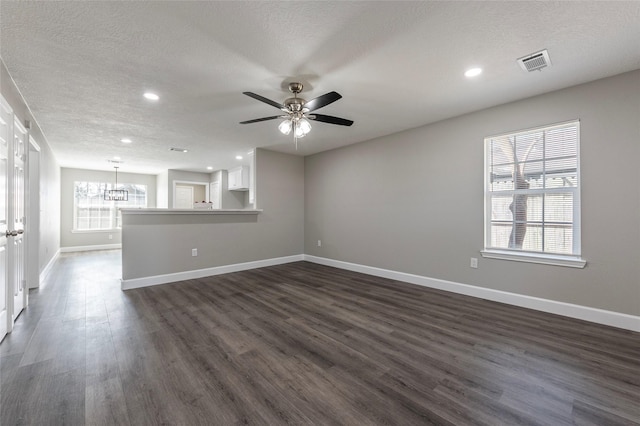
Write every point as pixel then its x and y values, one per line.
pixel 302 344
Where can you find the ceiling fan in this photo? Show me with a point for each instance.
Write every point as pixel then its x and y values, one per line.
pixel 298 112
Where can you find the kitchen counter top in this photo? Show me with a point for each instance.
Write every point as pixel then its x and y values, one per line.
pixel 190 211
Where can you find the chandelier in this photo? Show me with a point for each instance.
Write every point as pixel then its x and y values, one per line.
pixel 116 194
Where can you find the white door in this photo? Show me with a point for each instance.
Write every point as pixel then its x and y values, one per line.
pixel 17 218
pixel 215 195
pixel 184 197
pixel 5 135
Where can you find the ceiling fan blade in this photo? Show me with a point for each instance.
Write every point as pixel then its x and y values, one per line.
pixel 257 120
pixel 331 119
pixel 265 100
pixel 322 101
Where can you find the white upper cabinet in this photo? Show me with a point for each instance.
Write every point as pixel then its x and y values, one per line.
pixel 238 179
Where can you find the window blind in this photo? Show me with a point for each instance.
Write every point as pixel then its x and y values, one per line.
pixel 532 193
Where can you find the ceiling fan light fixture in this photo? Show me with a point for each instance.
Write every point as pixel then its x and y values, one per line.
pixel 302 128
pixel 285 127
pixel 298 133
pixel 304 125
pixel 297 112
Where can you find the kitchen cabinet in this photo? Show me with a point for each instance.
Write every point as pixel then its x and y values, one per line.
pixel 238 179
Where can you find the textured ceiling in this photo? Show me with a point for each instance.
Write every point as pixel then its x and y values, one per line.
pixel 83 66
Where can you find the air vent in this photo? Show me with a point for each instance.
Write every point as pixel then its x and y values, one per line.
pixel 115 161
pixel 535 61
pixel 178 149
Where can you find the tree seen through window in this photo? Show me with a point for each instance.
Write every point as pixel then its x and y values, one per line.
pixel 533 191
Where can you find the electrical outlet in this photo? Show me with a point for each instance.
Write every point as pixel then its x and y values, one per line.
pixel 194 252
pixel 319 243
pixel 474 262
pixel 110 236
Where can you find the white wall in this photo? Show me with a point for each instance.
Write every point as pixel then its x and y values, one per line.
pixel 413 202
pixel 70 239
pixel 162 190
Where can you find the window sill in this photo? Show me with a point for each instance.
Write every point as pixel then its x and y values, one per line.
pixel 94 231
pixel 568 261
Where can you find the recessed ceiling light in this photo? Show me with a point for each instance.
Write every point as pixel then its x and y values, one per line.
pixel 473 72
pixel 125 140
pixel 209 168
pixel 238 157
pixel 151 96
pixel 117 158
pixel 178 149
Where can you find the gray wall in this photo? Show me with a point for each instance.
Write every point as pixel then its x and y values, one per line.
pixel 161 244
pixel 232 199
pixel 82 239
pixel 49 239
pixel 413 202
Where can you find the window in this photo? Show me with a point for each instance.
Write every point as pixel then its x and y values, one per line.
pixel 532 195
pixel 92 213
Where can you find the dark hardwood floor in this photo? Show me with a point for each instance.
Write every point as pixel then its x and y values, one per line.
pixel 302 344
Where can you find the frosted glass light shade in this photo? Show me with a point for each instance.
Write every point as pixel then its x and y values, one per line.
pixel 298 132
pixel 304 125
pixel 285 127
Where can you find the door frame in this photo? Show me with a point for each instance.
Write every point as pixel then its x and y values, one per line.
pixel 190 183
pixel 32 210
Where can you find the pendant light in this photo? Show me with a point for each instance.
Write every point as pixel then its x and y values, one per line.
pixel 116 194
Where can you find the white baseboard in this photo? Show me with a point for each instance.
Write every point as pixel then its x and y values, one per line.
pixel 586 313
pixel 90 248
pixel 600 316
pixel 207 272
pixel 45 271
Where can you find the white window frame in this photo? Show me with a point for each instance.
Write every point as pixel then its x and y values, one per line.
pixel 573 260
pixel 114 208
